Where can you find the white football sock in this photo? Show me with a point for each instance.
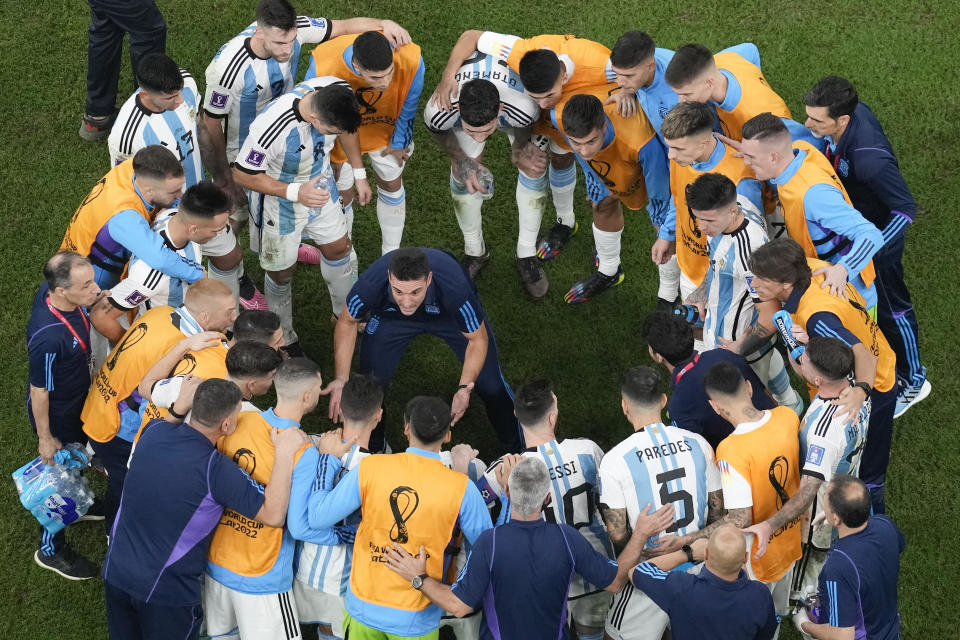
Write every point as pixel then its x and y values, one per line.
pixel 669 279
pixel 608 250
pixel 348 214
pixel 562 184
pixel 230 278
pixel 280 300
pixel 391 212
pixel 531 198
pixel 467 207
pixel 339 276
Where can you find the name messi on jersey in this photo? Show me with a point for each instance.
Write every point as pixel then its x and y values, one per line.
pixel 561 470
pixel 662 450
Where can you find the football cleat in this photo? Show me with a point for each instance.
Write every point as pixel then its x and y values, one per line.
pixel 309 254
pixel 255 302
pixel 910 395
pixel 473 265
pixel 533 277
pixel 592 285
pixel 554 241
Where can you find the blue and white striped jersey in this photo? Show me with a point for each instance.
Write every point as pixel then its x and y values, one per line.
pixel 287 148
pixel 830 445
pixel 574 488
pixel 661 465
pixel 240 85
pixel 327 567
pixel 517 109
pixel 145 287
pixel 137 127
pixel 730 309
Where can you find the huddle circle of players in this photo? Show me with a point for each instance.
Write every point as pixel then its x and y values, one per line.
pixel 755 232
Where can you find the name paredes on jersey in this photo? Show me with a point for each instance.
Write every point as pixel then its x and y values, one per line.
pixel 663 450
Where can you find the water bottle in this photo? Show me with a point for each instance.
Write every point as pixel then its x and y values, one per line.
pixel 784 323
pixel 689 314
pixel 485 179
pixel 56 495
pixel 812 603
pixel 325 183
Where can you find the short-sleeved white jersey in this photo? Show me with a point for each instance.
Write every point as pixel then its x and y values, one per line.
pixel 572 464
pixel 240 85
pixel 145 287
pixel 730 306
pixel 327 567
pixel 137 127
pixel 661 465
pixel 831 445
pixel 518 110
pixel 288 148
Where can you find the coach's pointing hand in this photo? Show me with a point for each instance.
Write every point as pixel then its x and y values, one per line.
pixel 334 390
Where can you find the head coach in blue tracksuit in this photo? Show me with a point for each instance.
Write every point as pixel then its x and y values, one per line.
pixel 412 291
pixel 863 159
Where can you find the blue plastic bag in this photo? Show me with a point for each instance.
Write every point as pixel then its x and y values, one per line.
pixel 56 494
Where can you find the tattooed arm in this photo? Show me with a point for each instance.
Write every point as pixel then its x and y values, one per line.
pixel 617 526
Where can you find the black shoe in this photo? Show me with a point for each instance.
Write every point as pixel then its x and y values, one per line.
pixel 94 513
pixel 554 241
pixel 93 129
pixel 533 277
pixel 293 350
pixel 68 564
pixel 473 265
pixel 592 285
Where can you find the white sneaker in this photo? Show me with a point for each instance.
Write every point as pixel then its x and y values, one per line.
pixel 911 395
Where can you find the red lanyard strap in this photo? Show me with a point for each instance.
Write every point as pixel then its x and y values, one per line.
pixel 59 316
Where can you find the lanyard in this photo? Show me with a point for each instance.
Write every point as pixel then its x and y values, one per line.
pixel 59 316
pixel 688 366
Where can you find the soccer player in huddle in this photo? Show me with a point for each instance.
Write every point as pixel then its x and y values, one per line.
pixel 729 305
pixel 387 83
pixel 202 213
pixel 733 82
pixel 552 68
pixel 624 164
pixel 572 464
pixel 164 111
pixel 693 151
pixel 831 442
pixel 286 161
pixel 490 96
pixel 257 66
pixel 656 464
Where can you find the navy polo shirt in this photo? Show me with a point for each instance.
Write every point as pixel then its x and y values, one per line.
pixel 521 571
pixel 689 406
pixel 858 582
pixel 173 496
pixel 58 363
pixel 451 296
pixel 703 606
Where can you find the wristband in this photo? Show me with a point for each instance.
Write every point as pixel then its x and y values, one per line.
pixel 293 191
pixel 360 174
pixel 688 551
pixel 867 389
pixel 463 386
pixel 178 416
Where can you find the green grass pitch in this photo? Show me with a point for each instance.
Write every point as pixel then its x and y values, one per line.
pixel 897 54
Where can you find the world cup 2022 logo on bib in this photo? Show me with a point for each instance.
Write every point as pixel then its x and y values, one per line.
pixel 779 472
pixel 367 97
pixel 403 502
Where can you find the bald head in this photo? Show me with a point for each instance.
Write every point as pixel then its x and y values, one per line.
pixel 726 551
